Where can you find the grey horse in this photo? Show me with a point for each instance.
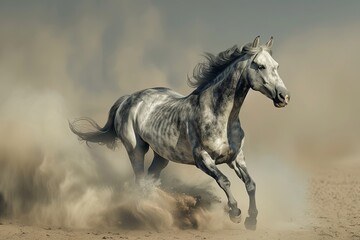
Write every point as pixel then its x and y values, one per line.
pixel 201 129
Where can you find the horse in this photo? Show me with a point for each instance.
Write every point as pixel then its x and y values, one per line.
pixel 201 129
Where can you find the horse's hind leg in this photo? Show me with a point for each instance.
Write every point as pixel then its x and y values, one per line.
pixel 136 149
pixel 157 165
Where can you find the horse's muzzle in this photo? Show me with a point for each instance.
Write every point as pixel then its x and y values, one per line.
pixel 282 98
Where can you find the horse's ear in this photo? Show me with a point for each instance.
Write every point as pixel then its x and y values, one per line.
pixel 270 42
pixel 256 42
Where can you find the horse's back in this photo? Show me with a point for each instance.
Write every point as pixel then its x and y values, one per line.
pixel 158 95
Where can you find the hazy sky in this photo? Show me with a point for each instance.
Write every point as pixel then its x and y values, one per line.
pixel 164 30
pixel 91 52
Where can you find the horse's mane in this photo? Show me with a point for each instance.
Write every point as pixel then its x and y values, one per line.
pixel 207 71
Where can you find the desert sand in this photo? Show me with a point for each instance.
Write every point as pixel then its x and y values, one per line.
pixel 332 212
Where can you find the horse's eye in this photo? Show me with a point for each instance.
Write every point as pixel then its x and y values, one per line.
pixel 261 67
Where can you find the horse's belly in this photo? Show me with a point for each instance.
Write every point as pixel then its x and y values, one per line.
pixel 169 143
pixel 180 152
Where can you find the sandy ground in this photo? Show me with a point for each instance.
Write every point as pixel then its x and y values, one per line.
pixel 333 212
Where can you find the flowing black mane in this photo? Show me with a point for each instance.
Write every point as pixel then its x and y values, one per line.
pixel 207 71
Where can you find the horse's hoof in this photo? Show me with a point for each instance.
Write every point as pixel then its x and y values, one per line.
pixel 250 223
pixel 235 217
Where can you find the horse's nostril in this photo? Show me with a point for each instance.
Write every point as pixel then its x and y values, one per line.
pixel 282 97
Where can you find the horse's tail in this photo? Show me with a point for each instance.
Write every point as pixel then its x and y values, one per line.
pixel 102 135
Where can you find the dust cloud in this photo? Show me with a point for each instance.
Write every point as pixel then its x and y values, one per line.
pixel 48 178
pixel 50 73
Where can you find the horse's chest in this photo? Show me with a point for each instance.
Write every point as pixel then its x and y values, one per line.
pixel 223 154
pixel 220 149
pixel 222 144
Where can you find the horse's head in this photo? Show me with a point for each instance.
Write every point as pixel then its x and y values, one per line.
pixel 262 73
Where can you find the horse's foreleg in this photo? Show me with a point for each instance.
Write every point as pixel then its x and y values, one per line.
pixel 240 168
pixel 207 164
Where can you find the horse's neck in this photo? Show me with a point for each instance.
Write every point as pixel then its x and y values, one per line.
pixel 241 90
pixel 227 96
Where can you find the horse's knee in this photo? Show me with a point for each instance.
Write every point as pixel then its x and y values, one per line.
pixel 251 187
pixel 224 182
